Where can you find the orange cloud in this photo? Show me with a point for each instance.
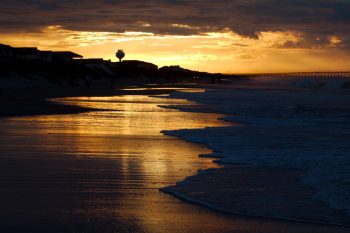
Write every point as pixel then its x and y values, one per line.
pixel 223 51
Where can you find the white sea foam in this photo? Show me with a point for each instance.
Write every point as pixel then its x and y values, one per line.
pixel 301 124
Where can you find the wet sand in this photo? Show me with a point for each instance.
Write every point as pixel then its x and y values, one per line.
pixel 101 171
pixel 25 101
pixel 281 160
pixel 257 191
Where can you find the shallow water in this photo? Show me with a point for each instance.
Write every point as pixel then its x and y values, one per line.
pixel 101 171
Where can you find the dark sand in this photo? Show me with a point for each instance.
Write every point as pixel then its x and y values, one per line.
pixel 75 174
pixel 30 102
pixel 257 191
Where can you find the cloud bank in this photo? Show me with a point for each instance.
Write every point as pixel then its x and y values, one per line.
pixel 216 36
pixel 317 23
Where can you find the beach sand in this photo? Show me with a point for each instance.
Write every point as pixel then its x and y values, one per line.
pixel 91 172
pixel 272 192
pixel 29 101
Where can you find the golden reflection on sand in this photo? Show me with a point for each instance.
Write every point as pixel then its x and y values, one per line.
pixel 111 163
pixel 138 115
pixel 128 134
pixel 179 89
pixel 129 129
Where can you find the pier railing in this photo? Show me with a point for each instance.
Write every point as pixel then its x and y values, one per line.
pixel 339 74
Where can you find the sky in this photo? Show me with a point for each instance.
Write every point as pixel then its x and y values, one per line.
pixel 227 36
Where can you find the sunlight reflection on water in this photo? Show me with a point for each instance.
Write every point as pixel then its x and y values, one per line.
pixel 101 171
pixel 127 134
pixel 179 89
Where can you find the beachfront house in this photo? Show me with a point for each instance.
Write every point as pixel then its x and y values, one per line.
pixel 26 53
pixel 65 55
pixel 45 56
pixel 135 64
pixel 99 67
pixel 6 53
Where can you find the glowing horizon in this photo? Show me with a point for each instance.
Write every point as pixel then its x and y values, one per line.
pixel 224 51
pixel 216 36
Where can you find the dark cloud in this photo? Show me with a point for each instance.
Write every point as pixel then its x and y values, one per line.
pixel 316 20
pixel 240 45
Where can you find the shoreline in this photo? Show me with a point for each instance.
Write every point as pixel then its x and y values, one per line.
pixel 190 200
pixel 192 194
pixel 176 191
pixel 188 187
pixel 18 102
pixel 107 168
pixel 165 189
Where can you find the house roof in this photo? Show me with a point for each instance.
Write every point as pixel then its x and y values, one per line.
pixel 35 50
pixel 67 54
pixel 3 46
pixel 136 62
pixel 93 60
pixel 26 50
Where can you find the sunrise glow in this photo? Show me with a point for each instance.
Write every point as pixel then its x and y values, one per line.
pixel 224 51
